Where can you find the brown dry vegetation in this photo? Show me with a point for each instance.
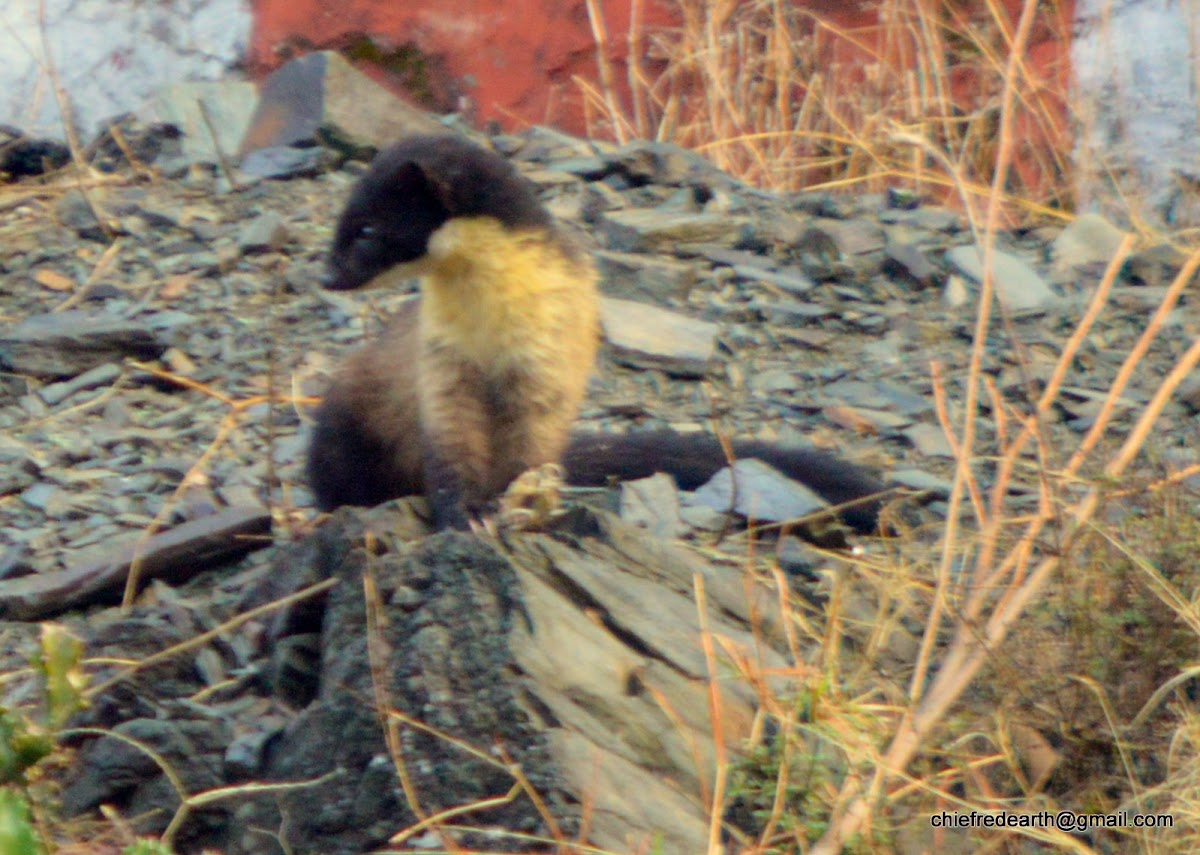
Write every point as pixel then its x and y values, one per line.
pixel 777 95
pixel 1056 659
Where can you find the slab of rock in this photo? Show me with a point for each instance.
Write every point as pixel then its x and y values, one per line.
pixel 265 233
pixel 175 554
pixel 880 394
pixel 212 116
pixel 653 503
pixel 792 311
pixel 649 229
pixel 922 481
pixel 646 336
pixel 906 260
pixel 627 274
pixel 867 419
pixel 321 91
pixel 590 167
pixel 664 164
pixel 279 162
pixel 1018 285
pixel 64 344
pixel 763 493
pixel 938 219
pixel 46 497
pixel 566 648
pixel 956 292
pixel 1089 240
pixel 792 280
pixel 774 382
pixel 102 375
pixel 930 440
pixel 852 237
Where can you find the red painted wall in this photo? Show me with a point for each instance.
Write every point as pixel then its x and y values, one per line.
pixel 515 62
pixel 511 61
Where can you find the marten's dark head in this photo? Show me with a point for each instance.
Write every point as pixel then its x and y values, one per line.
pixel 412 188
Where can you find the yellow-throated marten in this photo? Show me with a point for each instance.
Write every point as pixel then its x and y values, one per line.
pixel 481 378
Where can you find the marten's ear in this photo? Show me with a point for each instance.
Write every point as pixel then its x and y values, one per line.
pixel 388 220
pixel 436 186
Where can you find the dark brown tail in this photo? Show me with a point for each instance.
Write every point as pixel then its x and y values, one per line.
pixel 591 459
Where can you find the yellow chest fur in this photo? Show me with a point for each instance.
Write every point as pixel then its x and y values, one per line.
pixel 507 299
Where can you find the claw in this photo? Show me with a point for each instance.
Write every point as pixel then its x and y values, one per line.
pixel 533 498
pixel 483 526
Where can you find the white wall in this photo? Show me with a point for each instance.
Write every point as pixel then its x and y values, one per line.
pixel 110 54
pixel 1137 65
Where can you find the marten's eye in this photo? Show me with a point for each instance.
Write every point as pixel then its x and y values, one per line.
pixel 365 233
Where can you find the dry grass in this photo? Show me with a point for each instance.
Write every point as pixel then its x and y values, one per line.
pixel 954 108
pixel 786 99
pixel 950 106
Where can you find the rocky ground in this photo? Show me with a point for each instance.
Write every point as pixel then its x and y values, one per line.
pixel 148 318
pixel 822 316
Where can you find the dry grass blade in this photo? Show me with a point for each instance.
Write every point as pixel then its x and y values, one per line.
pixel 607 78
pixel 205 637
pixel 195 474
pixel 721 773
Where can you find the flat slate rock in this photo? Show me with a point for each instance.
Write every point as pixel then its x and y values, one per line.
pixel 265 233
pixel 787 311
pixel 646 229
pixel 213 116
pixel 852 237
pixel 1017 284
pixel 64 344
pixel 792 280
pixel 176 555
pixel 880 394
pixel 653 504
pixel 930 440
pixel 646 336
pixel 908 261
pixel 763 493
pixel 1090 239
pixel 664 164
pixel 284 161
pixel 101 375
pixel 634 275
pixel 922 481
pixel 321 92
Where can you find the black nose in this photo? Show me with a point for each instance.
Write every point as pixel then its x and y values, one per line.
pixel 340 278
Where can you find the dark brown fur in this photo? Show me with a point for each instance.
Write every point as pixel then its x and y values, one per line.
pixel 481 377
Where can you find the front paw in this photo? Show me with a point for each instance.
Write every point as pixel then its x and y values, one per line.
pixel 448 510
pixel 533 498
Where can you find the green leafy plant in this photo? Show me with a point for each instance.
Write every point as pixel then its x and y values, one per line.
pixel 27 737
pixel 147 847
pixel 17 836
